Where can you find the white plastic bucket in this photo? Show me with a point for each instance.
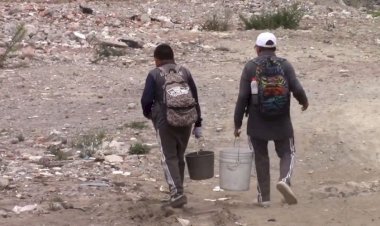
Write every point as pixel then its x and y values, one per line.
pixel 235 170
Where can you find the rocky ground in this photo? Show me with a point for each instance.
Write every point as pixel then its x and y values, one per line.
pixel 53 93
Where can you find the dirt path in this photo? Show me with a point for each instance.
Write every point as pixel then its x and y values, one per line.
pixel 336 175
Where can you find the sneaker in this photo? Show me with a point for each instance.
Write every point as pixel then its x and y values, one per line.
pixel 287 192
pixel 264 204
pixel 178 201
pixel 166 199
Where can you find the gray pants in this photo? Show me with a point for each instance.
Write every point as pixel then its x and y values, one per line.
pixel 285 151
pixel 173 141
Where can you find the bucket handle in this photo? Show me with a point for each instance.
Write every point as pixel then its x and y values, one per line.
pixel 201 144
pixel 235 165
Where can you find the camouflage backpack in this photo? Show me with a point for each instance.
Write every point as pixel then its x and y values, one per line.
pixel 273 88
pixel 180 105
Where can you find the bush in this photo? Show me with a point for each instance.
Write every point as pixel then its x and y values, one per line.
pixel 139 149
pixel 136 125
pixel 360 3
pixel 376 13
pixel 287 17
pixel 89 143
pixel 14 44
pixel 217 22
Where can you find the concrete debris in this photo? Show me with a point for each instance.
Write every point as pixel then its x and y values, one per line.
pixel 27 208
pixel 113 159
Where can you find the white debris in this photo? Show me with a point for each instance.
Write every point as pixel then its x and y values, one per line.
pixel 217 189
pixel 79 35
pixel 119 172
pixel 27 208
pixel 183 222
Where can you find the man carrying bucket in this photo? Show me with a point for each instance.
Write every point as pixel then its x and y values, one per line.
pixel 170 100
pixel 264 95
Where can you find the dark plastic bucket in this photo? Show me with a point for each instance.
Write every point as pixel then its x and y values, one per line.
pixel 200 165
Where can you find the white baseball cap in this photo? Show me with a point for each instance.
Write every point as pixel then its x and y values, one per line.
pixel 266 39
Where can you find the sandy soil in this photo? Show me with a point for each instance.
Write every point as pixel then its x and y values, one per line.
pixel 336 175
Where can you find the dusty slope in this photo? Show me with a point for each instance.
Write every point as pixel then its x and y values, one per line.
pixel 337 145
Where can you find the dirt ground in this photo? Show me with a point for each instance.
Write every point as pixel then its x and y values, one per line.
pixel 336 176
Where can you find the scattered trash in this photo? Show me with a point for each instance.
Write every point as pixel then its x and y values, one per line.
pixel 183 222
pixel 118 172
pixel 21 209
pixel 79 35
pixel 241 224
pixel 150 179
pixel 217 189
pixel 95 184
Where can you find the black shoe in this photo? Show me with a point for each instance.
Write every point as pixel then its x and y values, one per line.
pixel 178 201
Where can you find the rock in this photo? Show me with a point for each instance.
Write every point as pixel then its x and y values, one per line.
pixel 131 43
pixel 145 18
pixel 14 141
pixel 219 129
pixel 3 214
pixel 86 10
pixel 132 106
pixel 113 159
pixel 27 52
pixel 31 30
pixel 4 182
pixel 168 24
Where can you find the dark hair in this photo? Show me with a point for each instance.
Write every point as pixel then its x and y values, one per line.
pixel 266 49
pixel 163 52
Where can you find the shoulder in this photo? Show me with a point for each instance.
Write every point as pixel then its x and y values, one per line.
pixel 251 65
pixel 154 73
pixel 285 63
pixel 183 69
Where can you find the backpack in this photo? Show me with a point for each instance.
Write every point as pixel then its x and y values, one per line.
pixel 180 105
pixel 273 88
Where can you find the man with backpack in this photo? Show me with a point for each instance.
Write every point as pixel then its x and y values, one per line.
pixel 170 100
pixel 264 95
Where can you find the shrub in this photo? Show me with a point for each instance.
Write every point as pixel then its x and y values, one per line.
pixel 217 22
pixel 89 143
pixel 287 17
pixel 376 13
pixel 13 45
pixel 139 149
pixel 360 3
pixel 136 125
